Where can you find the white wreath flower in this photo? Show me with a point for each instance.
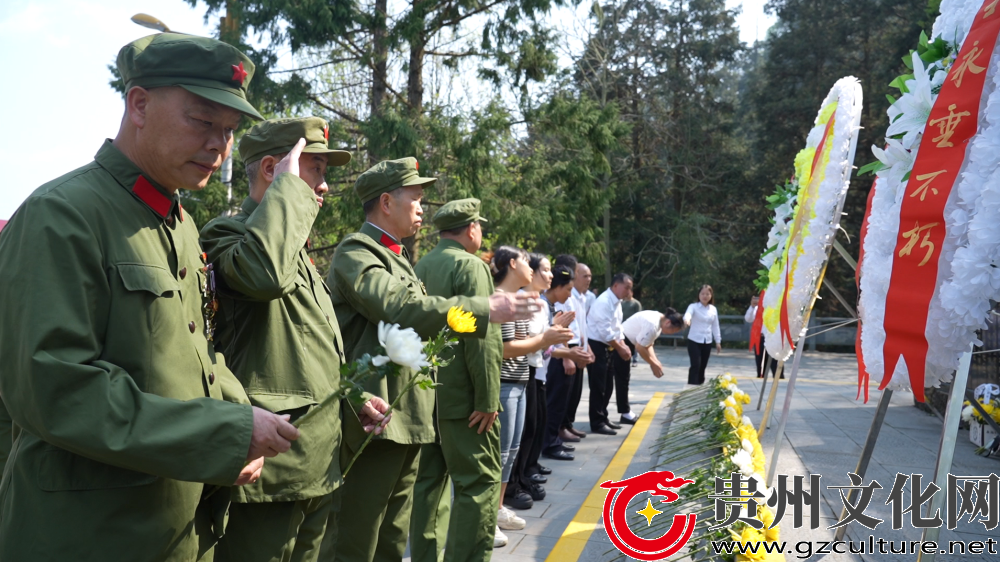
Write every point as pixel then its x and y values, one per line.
pixel 967 274
pixel 810 257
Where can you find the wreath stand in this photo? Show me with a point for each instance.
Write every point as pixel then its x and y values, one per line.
pixel 949 430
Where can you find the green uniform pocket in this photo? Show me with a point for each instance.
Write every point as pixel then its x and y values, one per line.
pixel 150 278
pixel 294 405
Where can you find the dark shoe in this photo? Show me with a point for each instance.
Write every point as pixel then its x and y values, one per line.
pixel 625 420
pixel 538 479
pixel 519 500
pixel 566 447
pixel 576 432
pixel 537 492
pixel 605 430
pixel 559 455
pixel 565 435
pixel 544 470
pixel 614 425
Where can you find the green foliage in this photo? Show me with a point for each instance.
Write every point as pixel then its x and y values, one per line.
pixel 812 45
pixel 649 151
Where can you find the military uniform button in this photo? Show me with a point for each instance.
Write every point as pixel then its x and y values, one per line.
pixel 183 272
pixel 211 378
pixel 192 327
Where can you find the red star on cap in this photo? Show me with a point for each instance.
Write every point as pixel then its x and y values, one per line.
pixel 239 74
pixel 326 132
pixel 416 164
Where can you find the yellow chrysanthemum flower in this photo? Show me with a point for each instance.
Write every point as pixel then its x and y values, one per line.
pixel 803 166
pixel 826 113
pixel 460 321
pixel 751 535
pixel 732 417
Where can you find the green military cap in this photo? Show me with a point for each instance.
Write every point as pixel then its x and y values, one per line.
pixel 458 213
pixel 205 67
pixel 278 136
pixel 388 175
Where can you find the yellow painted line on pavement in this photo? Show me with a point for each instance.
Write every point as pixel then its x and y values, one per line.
pixel 585 522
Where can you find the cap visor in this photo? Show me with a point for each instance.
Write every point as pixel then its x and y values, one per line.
pixel 334 157
pixel 418 181
pixel 225 98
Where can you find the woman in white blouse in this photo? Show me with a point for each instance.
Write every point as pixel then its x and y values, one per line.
pixel 703 321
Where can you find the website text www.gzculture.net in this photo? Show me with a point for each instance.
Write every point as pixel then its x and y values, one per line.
pixel 804 550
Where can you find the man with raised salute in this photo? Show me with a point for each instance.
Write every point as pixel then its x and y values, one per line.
pixel 277 326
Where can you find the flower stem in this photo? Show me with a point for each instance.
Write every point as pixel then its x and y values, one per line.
pixel 413 383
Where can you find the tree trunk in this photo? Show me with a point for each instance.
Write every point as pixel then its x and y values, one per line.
pixel 415 80
pixel 380 55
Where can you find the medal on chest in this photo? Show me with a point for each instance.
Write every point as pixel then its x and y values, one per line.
pixel 210 304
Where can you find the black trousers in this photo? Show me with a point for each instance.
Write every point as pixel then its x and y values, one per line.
pixel 600 375
pixel 759 359
pixel 542 422
pixel 699 353
pixel 531 437
pixel 623 374
pixel 558 386
pixel 575 395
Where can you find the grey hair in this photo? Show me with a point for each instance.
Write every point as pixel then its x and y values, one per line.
pixel 253 169
pixel 370 205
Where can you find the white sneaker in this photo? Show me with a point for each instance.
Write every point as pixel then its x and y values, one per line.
pixel 630 416
pixel 499 539
pixel 507 520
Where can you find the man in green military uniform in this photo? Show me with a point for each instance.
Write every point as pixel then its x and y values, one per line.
pixel 122 409
pixel 468 402
pixel 372 280
pixel 277 326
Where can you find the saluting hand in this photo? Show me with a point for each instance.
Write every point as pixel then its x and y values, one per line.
pixel 373 417
pixel 507 307
pixel 272 434
pixel 290 163
pixel 484 419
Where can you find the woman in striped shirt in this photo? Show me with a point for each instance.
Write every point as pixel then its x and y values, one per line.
pixel 512 272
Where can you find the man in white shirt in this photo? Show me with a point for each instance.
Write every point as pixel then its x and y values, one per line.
pixel 604 324
pixel 644 327
pixel 581 304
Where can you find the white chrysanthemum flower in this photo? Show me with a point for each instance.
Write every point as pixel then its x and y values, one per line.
pixel 910 113
pixel 744 461
pixel 747 446
pixel 402 346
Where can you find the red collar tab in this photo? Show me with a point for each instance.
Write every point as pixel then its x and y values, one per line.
pixel 158 202
pixel 239 75
pixel 391 244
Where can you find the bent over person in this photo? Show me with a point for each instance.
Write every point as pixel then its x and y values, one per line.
pixel 125 420
pixel 372 280
pixel 277 325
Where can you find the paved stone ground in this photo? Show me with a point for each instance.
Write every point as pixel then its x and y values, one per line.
pixel 824 435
